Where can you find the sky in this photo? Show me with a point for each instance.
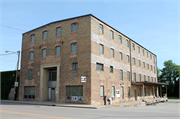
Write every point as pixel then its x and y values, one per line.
pixel 153 24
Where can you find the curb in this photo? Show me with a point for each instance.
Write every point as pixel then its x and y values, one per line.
pixel 50 104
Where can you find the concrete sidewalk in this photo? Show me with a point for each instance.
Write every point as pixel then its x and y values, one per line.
pixel 123 104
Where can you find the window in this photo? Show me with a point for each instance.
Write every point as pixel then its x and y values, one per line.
pixel 139 63
pixel 133 46
pixel 122 92
pixel 43 52
pixel 31 54
pixel 58 31
pixel 144 91
pixel 148 66
pixel 140 77
pixel 127 43
pixel 112 34
pixel 32 37
pixel 73 47
pixel 111 69
pixel 44 34
pixel 127 58
pixel 120 39
pixel 154 59
pixel 112 52
pixel 113 92
pixel 128 76
pixel 135 77
pixel 149 91
pixel 148 78
pixel 29 92
pixel 143 51
pixel 73 27
pixel 152 79
pixel 74 91
pixel 101 48
pixel 101 28
pixel 30 74
pixel 58 50
pixel 144 78
pixel 138 49
pixel 120 56
pixel 143 64
pixel 140 92
pixel 147 54
pixel 99 66
pixel 151 67
pixel 101 92
pixel 150 56
pixel 152 91
pixel 75 66
pixel 154 69
pixel 52 75
pixel 128 92
pixel 134 62
pixel 121 75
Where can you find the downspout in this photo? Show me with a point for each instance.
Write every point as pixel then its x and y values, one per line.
pixel 130 59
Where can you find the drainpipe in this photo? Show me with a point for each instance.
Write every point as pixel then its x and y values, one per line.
pixel 130 59
pixel 143 92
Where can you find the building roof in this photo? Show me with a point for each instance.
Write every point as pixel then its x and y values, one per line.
pixel 94 17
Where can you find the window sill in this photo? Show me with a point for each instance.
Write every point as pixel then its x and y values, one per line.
pixel 74 71
pixel 73 34
pixel 44 41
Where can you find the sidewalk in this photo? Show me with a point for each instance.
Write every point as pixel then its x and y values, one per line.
pixel 123 104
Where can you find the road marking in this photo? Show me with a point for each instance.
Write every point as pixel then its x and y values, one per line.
pixel 36 114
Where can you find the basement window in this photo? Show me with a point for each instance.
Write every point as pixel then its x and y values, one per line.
pixel 29 92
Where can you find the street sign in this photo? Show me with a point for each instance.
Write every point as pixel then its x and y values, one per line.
pixel 83 79
pixel 16 84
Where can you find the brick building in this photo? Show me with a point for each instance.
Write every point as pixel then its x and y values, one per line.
pixel 83 59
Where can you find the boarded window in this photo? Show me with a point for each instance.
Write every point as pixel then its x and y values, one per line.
pixel 73 27
pixel 30 74
pixel 121 75
pixel 101 48
pixel 44 34
pixel 32 37
pixel 58 31
pixel 29 92
pixel 58 50
pixel 43 52
pixel 73 47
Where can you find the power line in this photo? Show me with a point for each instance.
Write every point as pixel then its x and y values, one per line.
pixel 15 22
pixel 13 28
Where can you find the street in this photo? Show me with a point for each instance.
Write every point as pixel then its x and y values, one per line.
pixel 167 110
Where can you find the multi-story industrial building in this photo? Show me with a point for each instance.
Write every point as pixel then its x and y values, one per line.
pixel 82 60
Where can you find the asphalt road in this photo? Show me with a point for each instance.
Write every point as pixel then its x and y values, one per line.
pixel 167 110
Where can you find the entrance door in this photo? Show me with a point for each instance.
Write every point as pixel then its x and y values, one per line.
pixel 52 94
pixel 135 95
pixel 156 92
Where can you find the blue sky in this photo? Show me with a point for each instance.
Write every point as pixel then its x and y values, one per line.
pixel 153 24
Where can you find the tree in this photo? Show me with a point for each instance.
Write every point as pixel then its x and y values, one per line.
pixel 170 74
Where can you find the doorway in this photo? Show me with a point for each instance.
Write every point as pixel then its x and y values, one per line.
pixel 52 94
pixel 135 95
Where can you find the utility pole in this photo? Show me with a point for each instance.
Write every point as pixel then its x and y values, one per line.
pixel 15 86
